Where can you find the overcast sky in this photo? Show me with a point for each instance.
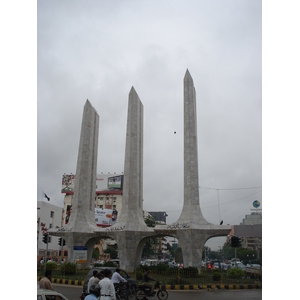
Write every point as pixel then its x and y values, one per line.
pixel 98 50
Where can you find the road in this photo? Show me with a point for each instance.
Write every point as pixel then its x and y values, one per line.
pixel 74 292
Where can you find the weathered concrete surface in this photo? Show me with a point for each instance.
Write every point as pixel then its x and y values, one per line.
pixel 81 225
pixel 130 230
pixel 192 230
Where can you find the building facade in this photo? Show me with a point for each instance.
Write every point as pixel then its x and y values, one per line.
pixel 253 218
pixel 108 193
pixel 48 216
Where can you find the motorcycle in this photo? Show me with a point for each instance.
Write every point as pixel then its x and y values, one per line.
pixel 143 292
pixel 125 291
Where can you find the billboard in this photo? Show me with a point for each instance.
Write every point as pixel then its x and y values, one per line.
pixel 68 213
pixel 115 182
pixel 105 217
pixel 68 182
pixel 103 182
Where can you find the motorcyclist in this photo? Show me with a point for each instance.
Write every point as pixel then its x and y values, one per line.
pixel 146 282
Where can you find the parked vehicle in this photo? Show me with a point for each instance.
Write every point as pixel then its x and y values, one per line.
pixel 143 292
pixel 43 294
pixel 241 266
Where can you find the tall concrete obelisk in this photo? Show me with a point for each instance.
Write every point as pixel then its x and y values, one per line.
pixel 82 218
pixel 80 229
pixel 191 229
pixel 132 207
pixel 130 230
pixel 191 211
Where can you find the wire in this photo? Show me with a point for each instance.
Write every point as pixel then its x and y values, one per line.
pixel 245 188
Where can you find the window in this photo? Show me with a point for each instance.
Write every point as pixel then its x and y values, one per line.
pixel 51 214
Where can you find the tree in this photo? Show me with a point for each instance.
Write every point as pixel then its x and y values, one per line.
pixel 95 253
pixel 150 221
pixel 148 248
pixel 178 255
pixel 112 252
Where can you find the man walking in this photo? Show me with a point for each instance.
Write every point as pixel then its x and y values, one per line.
pixel 45 282
pixel 91 279
pixel 107 287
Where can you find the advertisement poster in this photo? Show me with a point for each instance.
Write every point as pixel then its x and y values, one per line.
pixel 115 182
pixel 80 254
pixel 103 182
pixel 68 182
pixel 105 217
pixel 68 214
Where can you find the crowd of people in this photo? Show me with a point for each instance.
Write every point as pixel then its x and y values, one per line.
pixel 102 284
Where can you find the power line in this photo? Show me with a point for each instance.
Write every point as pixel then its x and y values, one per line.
pixel 243 188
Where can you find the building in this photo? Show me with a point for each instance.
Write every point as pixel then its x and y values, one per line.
pixel 159 216
pixel 254 218
pixel 250 235
pixel 108 193
pixel 250 232
pixel 160 243
pixel 48 216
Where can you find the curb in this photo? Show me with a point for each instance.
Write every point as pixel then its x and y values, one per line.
pixel 175 287
pixel 212 287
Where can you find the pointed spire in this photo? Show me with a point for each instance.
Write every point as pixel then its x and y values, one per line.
pixel 132 91
pixel 188 76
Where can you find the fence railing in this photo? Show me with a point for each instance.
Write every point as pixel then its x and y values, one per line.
pixel 172 276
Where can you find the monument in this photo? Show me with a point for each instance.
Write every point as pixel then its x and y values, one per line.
pixel 130 230
pixel 191 229
pixel 81 225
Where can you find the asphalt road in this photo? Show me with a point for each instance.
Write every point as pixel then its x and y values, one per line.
pixel 74 292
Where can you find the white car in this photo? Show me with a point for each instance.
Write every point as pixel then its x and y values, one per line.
pixel 49 295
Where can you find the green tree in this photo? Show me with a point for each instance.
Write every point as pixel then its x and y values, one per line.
pixel 112 252
pixel 150 221
pixel 178 255
pixel 95 253
pixel 148 248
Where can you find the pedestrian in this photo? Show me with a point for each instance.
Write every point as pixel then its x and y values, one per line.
pixel 91 279
pixel 45 282
pixel 99 276
pixel 107 287
pixel 94 292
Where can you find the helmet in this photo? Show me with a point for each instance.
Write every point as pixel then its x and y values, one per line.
pixel 95 289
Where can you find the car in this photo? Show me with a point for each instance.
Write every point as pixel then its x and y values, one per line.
pixel 130 280
pixel 43 294
pixel 241 266
pixel 255 266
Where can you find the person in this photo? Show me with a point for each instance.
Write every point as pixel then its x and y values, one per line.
pixel 45 282
pixel 107 287
pixel 91 279
pixel 117 278
pixel 146 281
pixel 94 292
pixel 99 276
